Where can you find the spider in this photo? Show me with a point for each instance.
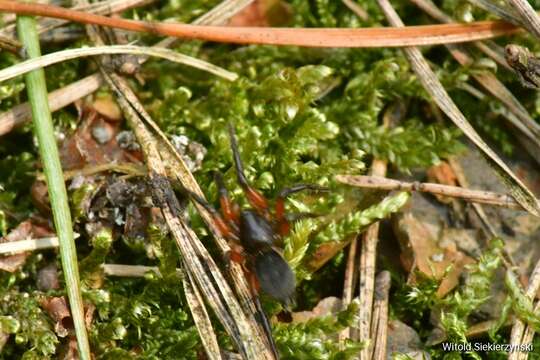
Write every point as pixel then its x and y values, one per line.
pixel 256 233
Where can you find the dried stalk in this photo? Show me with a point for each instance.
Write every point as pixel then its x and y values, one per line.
pixel 478 196
pixel 379 327
pixel 130 270
pixel 16 247
pixel 528 15
pixel 59 56
pixel 368 256
pixel 308 37
pixel 349 285
pixel 501 11
pixel 517 336
pixel 433 86
pixel 356 9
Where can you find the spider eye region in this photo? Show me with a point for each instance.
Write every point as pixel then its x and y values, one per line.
pixel 255 231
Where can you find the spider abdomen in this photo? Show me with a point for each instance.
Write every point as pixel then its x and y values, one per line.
pixel 275 276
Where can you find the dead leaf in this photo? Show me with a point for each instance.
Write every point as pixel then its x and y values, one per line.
pixel 58 310
pixel 25 230
pixel 442 174
pixel 107 107
pixel 327 306
pixel 263 13
pixel 421 252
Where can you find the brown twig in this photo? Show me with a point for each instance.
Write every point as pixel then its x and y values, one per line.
pixel 430 82
pixel 311 37
pixel 379 326
pixel 479 196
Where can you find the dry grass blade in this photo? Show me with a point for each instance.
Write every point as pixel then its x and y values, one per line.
pixel 379 328
pixel 432 85
pixel 501 11
pixel 366 277
pixel 478 196
pixel 58 99
pixel 201 318
pixel 308 37
pixel 69 54
pixel 529 17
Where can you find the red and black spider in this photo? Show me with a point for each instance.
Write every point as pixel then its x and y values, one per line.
pixel 256 233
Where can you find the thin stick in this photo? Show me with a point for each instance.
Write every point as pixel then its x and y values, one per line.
pixel 349 285
pixel 368 258
pixel 479 196
pixel 37 94
pixel 121 270
pixel 379 327
pixel 356 9
pixel 312 37
pixel 17 247
pixel 59 56
pixel 433 86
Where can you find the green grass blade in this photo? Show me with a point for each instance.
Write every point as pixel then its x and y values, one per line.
pixel 37 95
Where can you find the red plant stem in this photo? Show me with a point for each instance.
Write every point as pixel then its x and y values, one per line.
pixel 307 37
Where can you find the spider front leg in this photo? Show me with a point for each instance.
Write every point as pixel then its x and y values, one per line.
pixel 283 222
pixel 229 210
pixel 255 198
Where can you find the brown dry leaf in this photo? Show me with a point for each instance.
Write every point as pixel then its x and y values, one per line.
pixel 25 230
pixel 58 310
pixel 442 174
pixel 262 13
pixel 107 107
pixel 421 252
pixel 327 306
pixel 94 143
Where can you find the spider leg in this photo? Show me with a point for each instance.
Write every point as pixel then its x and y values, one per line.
pixel 229 210
pixel 221 224
pixel 282 220
pixel 260 314
pixel 255 198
